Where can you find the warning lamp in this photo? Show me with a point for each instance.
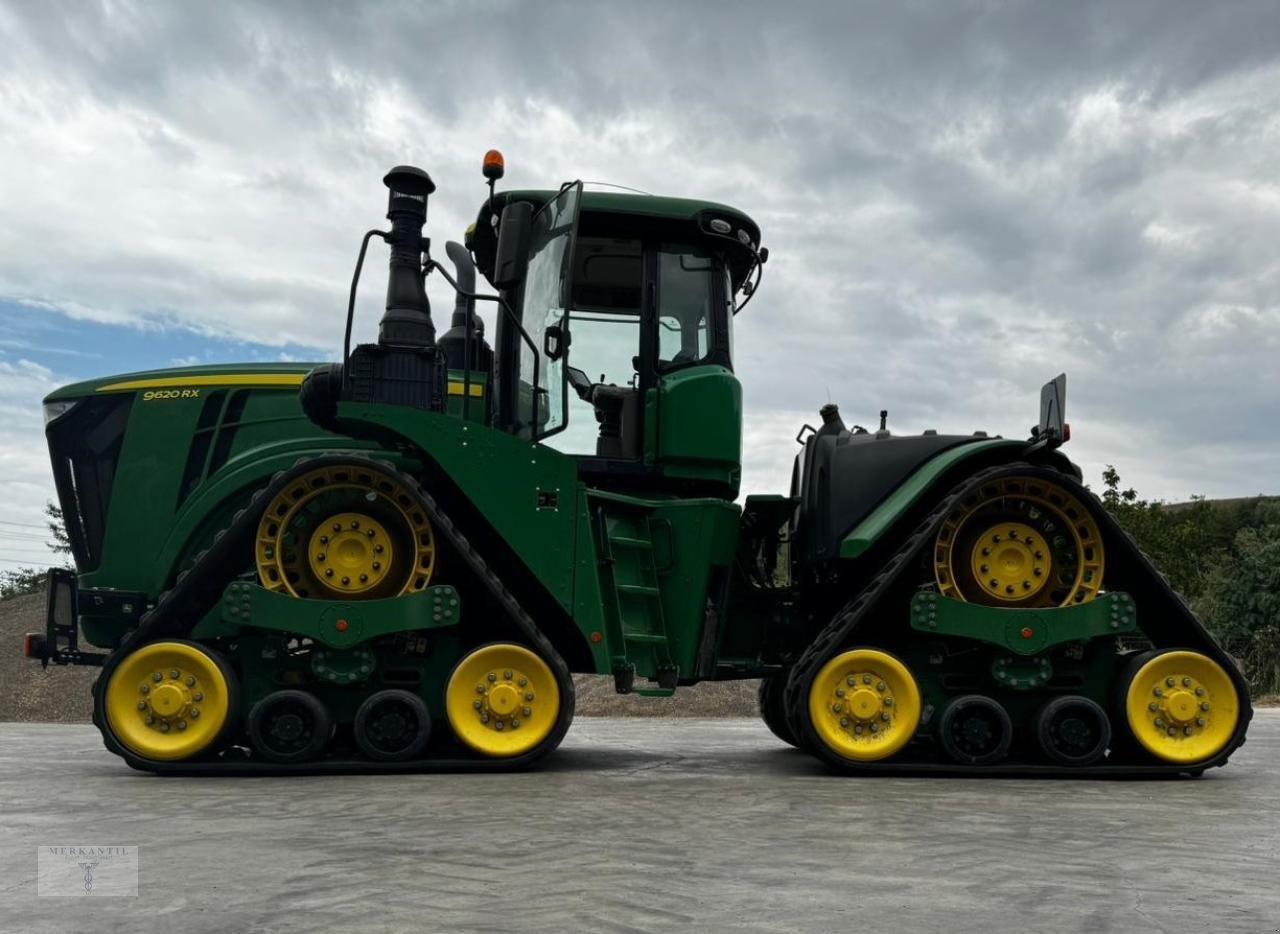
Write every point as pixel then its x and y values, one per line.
pixel 494 166
pixel 33 646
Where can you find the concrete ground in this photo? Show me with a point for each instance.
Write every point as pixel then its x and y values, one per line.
pixel 646 825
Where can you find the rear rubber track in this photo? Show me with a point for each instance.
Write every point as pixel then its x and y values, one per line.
pixel 841 633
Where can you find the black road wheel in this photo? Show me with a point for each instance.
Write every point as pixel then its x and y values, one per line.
pixel 392 726
pixel 975 730
pixel 1073 730
pixel 289 726
pixel 773 709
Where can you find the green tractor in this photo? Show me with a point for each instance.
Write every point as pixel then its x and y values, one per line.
pixel 397 561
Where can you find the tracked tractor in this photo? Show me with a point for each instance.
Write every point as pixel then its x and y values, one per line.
pixel 396 561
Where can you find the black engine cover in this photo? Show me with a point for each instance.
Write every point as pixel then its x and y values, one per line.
pixel 411 376
pixel 841 476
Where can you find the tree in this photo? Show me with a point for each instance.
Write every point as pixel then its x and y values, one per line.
pixel 1182 540
pixel 25 580
pixel 1241 603
pixel 61 544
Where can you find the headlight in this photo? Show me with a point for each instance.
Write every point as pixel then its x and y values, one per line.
pixel 54 410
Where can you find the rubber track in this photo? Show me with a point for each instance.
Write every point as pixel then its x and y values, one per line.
pixel 841 633
pixel 197 589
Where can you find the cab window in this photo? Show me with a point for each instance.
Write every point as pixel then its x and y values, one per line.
pixel 604 330
pixel 685 297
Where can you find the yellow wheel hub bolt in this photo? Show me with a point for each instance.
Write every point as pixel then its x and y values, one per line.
pixel 1181 706
pixel 864 704
pixel 503 699
pixel 168 699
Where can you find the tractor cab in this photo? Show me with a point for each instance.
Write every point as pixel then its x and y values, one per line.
pixel 619 348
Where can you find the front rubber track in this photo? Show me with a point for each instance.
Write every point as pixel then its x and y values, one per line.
pixel 197 589
pixel 1158 603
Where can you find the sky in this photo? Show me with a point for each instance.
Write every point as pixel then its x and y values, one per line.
pixel 960 199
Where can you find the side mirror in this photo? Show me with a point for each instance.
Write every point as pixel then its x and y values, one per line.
pixel 1053 429
pixel 555 341
pixel 512 256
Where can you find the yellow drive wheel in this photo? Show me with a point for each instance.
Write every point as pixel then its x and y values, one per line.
pixel 345 531
pixel 1019 542
pixel 168 700
pixel 502 700
pixel 864 705
pixel 1181 706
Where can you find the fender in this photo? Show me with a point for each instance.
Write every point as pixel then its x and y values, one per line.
pixel 928 476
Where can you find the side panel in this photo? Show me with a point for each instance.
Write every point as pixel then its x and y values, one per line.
pixel 695 426
pixel 526 492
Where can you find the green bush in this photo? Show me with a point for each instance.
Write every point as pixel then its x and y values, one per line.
pixel 1241 601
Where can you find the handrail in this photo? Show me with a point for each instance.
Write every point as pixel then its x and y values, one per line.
pixel 432 264
pixel 351 300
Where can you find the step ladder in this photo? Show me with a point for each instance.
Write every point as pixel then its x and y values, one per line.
pixel 633 597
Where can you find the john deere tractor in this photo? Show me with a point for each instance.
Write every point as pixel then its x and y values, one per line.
pixel 396 562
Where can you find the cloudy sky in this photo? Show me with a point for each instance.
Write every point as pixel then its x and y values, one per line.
pixel 961 199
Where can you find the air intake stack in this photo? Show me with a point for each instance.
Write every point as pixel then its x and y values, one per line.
pixel 407 322
pixel 405 367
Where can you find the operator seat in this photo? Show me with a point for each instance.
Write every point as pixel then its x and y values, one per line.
pixel 618 412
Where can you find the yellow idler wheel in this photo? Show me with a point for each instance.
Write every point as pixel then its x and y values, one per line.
pixel 168 700
pixel 1182 706
pixel 864 705
pixel 502 700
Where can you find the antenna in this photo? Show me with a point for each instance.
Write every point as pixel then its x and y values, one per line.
pixel 638 191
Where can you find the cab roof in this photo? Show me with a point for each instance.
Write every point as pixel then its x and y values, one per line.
pixel 647 210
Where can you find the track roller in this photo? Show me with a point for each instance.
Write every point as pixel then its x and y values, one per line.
pixel 170 701
pixel 392 725
pixel 864 705
pixel 975 730
pixel 1180 705
pixel 502 700
pixel 289 726
pixel 1073 730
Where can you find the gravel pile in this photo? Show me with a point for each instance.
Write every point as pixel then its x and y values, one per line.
pixel 27 691
pixel 61 694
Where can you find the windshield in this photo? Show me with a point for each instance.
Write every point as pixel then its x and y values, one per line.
pixel 540 406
